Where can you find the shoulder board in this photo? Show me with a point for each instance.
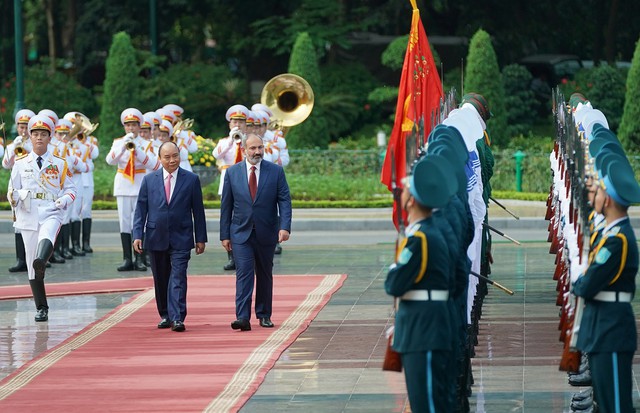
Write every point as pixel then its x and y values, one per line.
pixel 59 157
pixel 22 156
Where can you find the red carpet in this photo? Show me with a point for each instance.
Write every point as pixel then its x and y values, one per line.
pixel 116 285
pixel 124 363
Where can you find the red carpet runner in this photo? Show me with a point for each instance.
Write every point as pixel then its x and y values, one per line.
pixel 124 363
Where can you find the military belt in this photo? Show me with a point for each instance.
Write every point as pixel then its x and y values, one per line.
pixel 426 295
pixel 42 195
pixel 613 296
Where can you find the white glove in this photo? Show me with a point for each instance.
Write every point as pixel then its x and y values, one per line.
pixel 61 203
pixel 129 137
pixel 18 140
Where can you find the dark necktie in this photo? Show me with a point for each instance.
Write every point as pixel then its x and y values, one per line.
pixel 39 160
pixel 253 183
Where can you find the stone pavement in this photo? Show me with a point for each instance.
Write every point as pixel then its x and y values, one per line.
pixel 334 366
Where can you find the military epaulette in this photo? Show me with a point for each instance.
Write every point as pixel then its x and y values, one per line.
pixel 22 156
pixel 59 157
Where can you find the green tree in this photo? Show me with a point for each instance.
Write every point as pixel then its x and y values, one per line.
pixel 482 75
pixel 629 132
pixel 520 105
pixel 121 86
pixel 607 93
pixel 304 62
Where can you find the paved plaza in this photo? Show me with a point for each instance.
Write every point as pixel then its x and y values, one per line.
pixel 334 366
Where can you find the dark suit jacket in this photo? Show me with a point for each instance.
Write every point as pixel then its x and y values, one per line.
pixel 166 226
pixel 239 214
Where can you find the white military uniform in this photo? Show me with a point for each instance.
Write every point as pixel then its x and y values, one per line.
pixel 35 191
pixel 128 180
pixel 92 151
pixel 132 165
pixel 229 152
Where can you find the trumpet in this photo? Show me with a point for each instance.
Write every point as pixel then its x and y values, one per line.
pixel 19 149
pixel 129 143
pixel 237 136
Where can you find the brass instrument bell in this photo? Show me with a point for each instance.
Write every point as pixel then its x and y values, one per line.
pixel 289 97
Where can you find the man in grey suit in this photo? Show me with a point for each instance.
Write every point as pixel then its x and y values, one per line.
pixel 168 213
pixel 254 192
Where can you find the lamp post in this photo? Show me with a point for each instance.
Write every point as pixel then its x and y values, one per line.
pixel 18 37
pixel 519 156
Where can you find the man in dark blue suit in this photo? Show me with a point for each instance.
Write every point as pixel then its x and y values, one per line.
pixel 168 212
pixel 254 192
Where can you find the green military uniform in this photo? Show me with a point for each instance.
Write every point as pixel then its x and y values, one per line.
pixel 421 279
pixel 608 328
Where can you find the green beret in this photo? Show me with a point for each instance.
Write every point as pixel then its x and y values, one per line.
pixel 432 183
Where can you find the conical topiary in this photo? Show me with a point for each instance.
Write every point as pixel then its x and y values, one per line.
pixel 304 62
pixel 629 131
pixel 121 87
pixel 482 75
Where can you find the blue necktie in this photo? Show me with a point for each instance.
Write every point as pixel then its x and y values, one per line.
pixel 39 160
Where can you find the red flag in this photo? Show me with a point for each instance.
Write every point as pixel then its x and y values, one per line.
pixel 419 97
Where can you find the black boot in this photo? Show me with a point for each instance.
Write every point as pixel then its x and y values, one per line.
pixel 21 263
pixel 75 239
pixel 45 249
pixel 139 262
pixel 40 298
pixel 64 241
pixel 56 258
pixel 86 235
pixel 231 265
pixel 127 264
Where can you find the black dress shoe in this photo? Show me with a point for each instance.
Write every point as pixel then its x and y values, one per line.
pixel 277 250
pixel 582 404
pixel 164 323
pixel 592 409
pixel 42 315
pixel 230 266
pixel 582 379
pixel 266 322
pixel 582 394
pixel 242 325
pixel 177 326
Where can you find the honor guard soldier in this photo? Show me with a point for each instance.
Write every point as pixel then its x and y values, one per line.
pixel 89 150
pixel 39 191
pixel 133 157
pixel 61 251
pixel 74 151
pixel 421 279
pixel 186 138
pixel 165 132
pixel 155 119
pixel 21 145
pixel 608 327
pixel 228 152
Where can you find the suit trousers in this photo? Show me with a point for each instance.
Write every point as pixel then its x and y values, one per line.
pixel 253 258
pixel 169 270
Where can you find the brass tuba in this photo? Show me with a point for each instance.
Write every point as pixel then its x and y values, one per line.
pixel 289 97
